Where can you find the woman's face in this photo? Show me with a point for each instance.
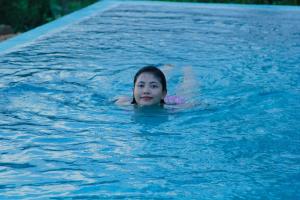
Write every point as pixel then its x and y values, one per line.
pixel 148 90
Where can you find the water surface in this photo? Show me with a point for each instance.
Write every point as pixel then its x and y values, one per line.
pixel 61 137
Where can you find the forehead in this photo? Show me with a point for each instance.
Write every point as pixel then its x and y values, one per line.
pixel 147 77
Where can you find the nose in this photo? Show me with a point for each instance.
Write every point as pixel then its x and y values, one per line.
pixel 146 90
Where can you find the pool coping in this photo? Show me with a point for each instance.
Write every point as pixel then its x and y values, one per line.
pixel 77 16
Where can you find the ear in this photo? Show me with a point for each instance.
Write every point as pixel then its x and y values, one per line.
pixel 164 95
pixel 133 91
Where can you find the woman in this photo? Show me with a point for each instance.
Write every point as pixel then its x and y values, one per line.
pixel 150 89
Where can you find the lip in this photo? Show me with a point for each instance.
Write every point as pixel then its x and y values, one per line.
pixel 146 98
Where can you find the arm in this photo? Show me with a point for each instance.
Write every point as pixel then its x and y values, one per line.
pixel 189 86
pixel 123 101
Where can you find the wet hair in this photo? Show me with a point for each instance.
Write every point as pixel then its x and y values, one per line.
pixel 157 73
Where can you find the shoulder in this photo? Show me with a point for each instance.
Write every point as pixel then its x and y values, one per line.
pixel 123 101
pixel 174 100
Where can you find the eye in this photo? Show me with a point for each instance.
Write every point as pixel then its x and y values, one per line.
pixel 154 86
pixel 140 85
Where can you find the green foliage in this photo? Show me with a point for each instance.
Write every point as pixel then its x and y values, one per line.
pixel 62 7
pixel 23 15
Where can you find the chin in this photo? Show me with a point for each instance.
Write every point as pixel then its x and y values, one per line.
pixel 148 104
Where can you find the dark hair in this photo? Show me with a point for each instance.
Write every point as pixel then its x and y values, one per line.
pixel 157 73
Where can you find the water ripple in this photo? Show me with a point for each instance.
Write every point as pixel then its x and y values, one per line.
pixel 61 136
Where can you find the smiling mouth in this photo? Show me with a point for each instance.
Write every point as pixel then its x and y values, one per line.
pixel 146 98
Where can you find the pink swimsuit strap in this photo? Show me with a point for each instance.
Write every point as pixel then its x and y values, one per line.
pixel 174 100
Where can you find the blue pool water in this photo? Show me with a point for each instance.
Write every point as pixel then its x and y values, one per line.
pixel 61 137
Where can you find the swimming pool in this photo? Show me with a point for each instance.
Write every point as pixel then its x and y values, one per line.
pixel 61 137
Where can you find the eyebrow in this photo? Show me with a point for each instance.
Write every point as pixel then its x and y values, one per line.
pixel 156 82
